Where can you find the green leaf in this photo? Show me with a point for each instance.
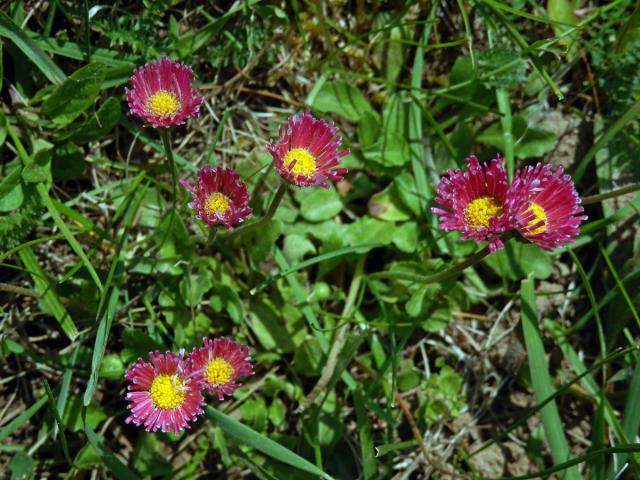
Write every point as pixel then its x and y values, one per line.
pixel 72 417
pixel 249 437
pixel 319 204
pixel 21 466
pixel 100 123
pixel 392 150
pixel 11 194
pixel 406 236
pixel 10 30
pixel 39 169
pixel 68 161
pixel 529 140
pixel 75 95
pixel 386 205
pixel 296 247
pixel 342 98
pixel 518 259
pixel 112 367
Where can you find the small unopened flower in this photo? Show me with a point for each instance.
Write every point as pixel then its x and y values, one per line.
pixel 475 202
pixel 220 197
pixel 218 364
pixel 162 393
pixel 545 206
pixel 307 151
pixel 162 93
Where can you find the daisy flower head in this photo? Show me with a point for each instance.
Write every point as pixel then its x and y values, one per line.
pixel 545 206
pixel 218 364
pixel 162 93
pixel 220 197
pixel 306 152
pixel 162 394
pixel 474 202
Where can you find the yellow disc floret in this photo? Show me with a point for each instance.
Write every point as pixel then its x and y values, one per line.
pixel 163 104
pixel 167 391
pixel 480 210
pixel 305 162
pixel 218 371
pixel 216 203
pixel 539 215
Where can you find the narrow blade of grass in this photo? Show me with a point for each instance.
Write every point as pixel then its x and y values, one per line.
pixel 541 380
pixel 312 261
pixel 250 437
pixel 632 112
pixel 113 463
pixel 10 30
pixel 369 468
pixel 23 418
pixel 49 299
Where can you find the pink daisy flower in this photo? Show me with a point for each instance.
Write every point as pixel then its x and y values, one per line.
pixel 219 197
pixel 162 393
pixel 219 363
pixel 545 206
pixel 162 93
pixel 475 202
pixel 307 151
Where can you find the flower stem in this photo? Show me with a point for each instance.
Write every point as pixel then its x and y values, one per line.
pixel 436 277
pixel 268 216
pixel 166 143
pixel 634 187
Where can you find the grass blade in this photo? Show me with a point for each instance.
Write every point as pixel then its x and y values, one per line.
pixel 21 419
pixel 10 30
pixel 113 463
pixel 541 380
pixel 49 299
pixel 248 436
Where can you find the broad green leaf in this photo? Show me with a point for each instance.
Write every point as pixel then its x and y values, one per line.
pixel 386 205
pixel 39 169
pixel 530 141
pixel 112 367
pixel 11 194
pixel 519 259
pixel 98 125
pixel 75 95
pixel 319 204
pixel 296 247
pixel 68 161
pixel 342 98
pixel 21 466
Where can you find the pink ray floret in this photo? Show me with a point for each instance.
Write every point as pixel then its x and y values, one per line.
pixel 545 206
pixel 219 363
pixel 306 152
pixel 475 202
pixel 220 197
pixel 162 394
pixel 162 93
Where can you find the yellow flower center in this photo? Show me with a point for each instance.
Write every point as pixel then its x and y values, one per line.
pixel 216 203
pixel 539 215
pixel 163 104
pixel 218 371
pixel 480 210
pixel 166 391
pixel 305 162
